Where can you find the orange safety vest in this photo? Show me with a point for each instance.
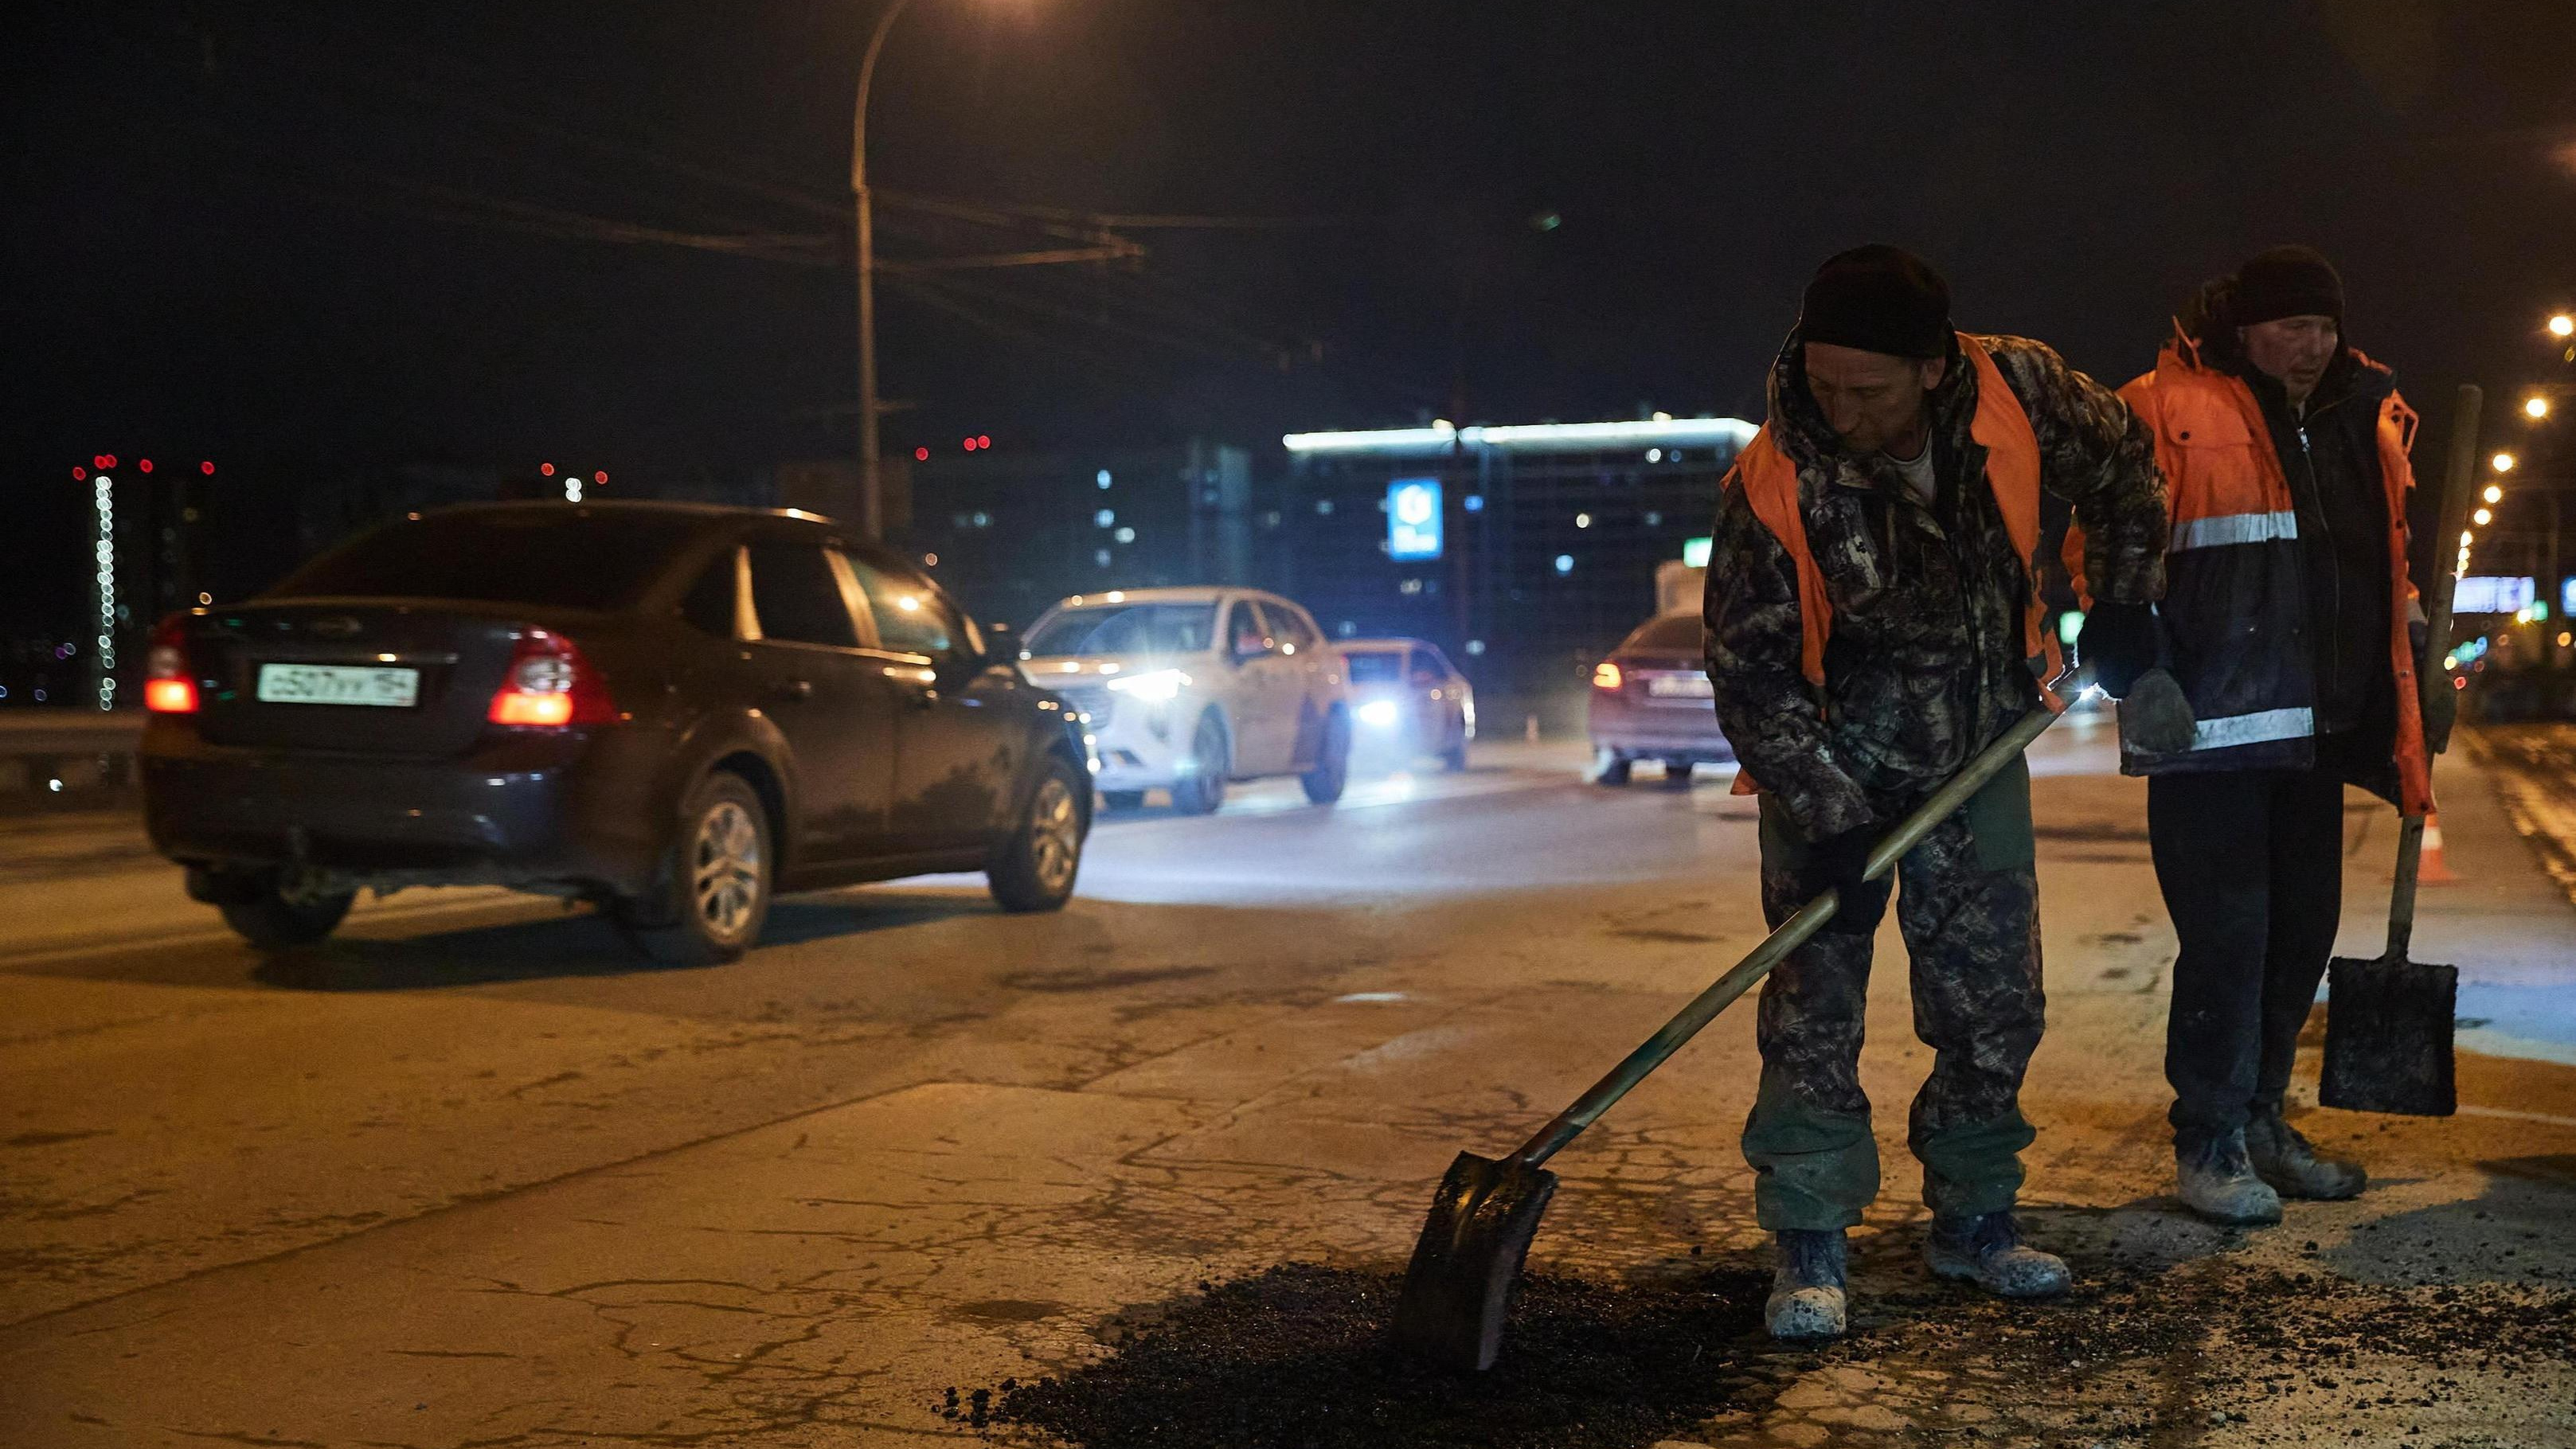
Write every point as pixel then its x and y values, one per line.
pixel 2229 496
pixel 1770 484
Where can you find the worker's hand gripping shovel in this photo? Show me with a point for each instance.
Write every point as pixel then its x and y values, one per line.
pixel 1486 1211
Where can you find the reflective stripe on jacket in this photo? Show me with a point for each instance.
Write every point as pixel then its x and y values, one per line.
pixel 2235 609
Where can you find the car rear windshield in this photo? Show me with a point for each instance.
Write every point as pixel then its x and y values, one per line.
pixel 1375 666
pixel 570 558
pixel 1124 629
pixel 1672 631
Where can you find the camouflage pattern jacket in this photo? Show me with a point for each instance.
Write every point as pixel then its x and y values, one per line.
pixel 1925 665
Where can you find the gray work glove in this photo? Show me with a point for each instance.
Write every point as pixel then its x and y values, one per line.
pixel 2155 718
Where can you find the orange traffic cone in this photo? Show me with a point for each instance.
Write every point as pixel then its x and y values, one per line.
pixel 2430 870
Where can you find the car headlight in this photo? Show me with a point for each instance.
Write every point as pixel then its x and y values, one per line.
pixel 1381 713
pixel 1158 687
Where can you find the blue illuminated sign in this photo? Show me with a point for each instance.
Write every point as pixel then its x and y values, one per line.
pixel 1413 518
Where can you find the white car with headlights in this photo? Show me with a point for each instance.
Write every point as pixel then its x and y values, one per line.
pixel 1407 700
pixel 1187 689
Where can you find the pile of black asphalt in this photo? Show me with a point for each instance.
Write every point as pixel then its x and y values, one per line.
pixel 1299 1356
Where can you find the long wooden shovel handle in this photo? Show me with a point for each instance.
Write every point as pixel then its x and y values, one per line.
pixel 2458 477
pixel 1792 933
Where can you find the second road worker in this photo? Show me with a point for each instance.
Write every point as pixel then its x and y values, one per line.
pixel 1872 623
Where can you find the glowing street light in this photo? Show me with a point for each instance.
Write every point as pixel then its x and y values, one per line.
pixel 2482 518
pixel 2562 325
pixel 2504 462
pixel 2494 494
pixel 2535 406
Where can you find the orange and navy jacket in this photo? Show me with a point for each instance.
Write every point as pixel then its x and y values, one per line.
pixel 2235 607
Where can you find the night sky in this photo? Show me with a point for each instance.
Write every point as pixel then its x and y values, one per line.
pixel 332 236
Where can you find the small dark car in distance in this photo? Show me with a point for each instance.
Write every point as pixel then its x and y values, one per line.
pixel 1651 701
pixel 671 710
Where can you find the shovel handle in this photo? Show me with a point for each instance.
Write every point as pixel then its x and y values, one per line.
pixel 2458 477
pixel 1790 935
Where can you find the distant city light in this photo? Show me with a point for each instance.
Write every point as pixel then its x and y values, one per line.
pixel 2562 325
pixel 983 440
pixel 1583 520
pixel 545 470
pixel 1125 535
pixel 1104 518
pixel 2494 494
pixel 921 455
pixel 1536 437
pixel 2482 518
pixel 1100 557
pixel 1565 563
pixel 146 464
pixel 79 474
pixel 2537 407
pixel 1101 477
pixel 1473 503
pixel 1695 551
pixel 1654 455
pixel 600 477
pixel 2503 462
pixel 207 468
pixel 1475 646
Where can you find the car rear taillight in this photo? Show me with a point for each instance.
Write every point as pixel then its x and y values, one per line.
pixel 549 685
pixel 1605 675
pixel 167 689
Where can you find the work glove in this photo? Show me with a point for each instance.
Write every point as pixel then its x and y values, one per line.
pixel 1836 862
pixel 2441 698
pixel 2121 642
pixel 2156 718
pixel 2441 711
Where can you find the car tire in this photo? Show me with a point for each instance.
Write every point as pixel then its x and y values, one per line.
pixel 270 918
pixel 1677 774
pixel 1034 868
pixel 1123 799
pixel 1610 769
pixel 1211 759
pixel 1332 760
pixel 1454 758
pixel 713 895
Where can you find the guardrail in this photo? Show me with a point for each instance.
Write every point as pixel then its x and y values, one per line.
pixel 69 759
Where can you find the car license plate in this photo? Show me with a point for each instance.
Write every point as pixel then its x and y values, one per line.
pixel 1680 686
pixel 338 684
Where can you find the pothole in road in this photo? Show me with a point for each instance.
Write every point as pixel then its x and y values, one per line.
pixel 1298 1356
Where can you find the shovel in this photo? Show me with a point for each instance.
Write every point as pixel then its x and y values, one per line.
pixel 1486 1211
pixel 2388 1021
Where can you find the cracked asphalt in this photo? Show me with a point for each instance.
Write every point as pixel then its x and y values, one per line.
pixel 473 1175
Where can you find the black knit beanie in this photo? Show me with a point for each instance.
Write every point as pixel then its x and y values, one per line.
pixel 1878 298
pixel 2291 281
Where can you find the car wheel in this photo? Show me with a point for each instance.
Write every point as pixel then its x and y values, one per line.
pixel 1610 769
pixel 714 894
pixel 1677 774
pixel 1454 758
pixel 275 918
pixel 1332 760
pixel 1124 799
pixel 1203 789
pixel 1033 870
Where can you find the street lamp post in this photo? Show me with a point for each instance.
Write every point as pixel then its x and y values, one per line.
pixel 871 483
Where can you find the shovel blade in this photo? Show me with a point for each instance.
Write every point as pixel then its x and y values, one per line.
pixel 2388 1036
pixel 1460 1281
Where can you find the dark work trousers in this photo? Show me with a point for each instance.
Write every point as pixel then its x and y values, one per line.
pixel 1968 908
pixel 2251 866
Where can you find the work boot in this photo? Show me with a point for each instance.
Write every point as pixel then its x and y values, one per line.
pixel 1988 1249
pixel 2285 1159
pixel 2217 1181
pixel 1806 1285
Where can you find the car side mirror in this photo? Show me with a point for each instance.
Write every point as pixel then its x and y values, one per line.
pixel 1001 644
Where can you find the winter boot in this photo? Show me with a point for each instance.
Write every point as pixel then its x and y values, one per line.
pixel 2285 1159
pixel 1988 1250
pixel 1807 1285
pixel 2217 1181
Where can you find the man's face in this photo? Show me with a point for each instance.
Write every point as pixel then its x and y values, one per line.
pixel 1872 400
pixel 2292 351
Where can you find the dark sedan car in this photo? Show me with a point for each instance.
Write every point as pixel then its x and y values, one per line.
pixel 1651 701
pixel 670 710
